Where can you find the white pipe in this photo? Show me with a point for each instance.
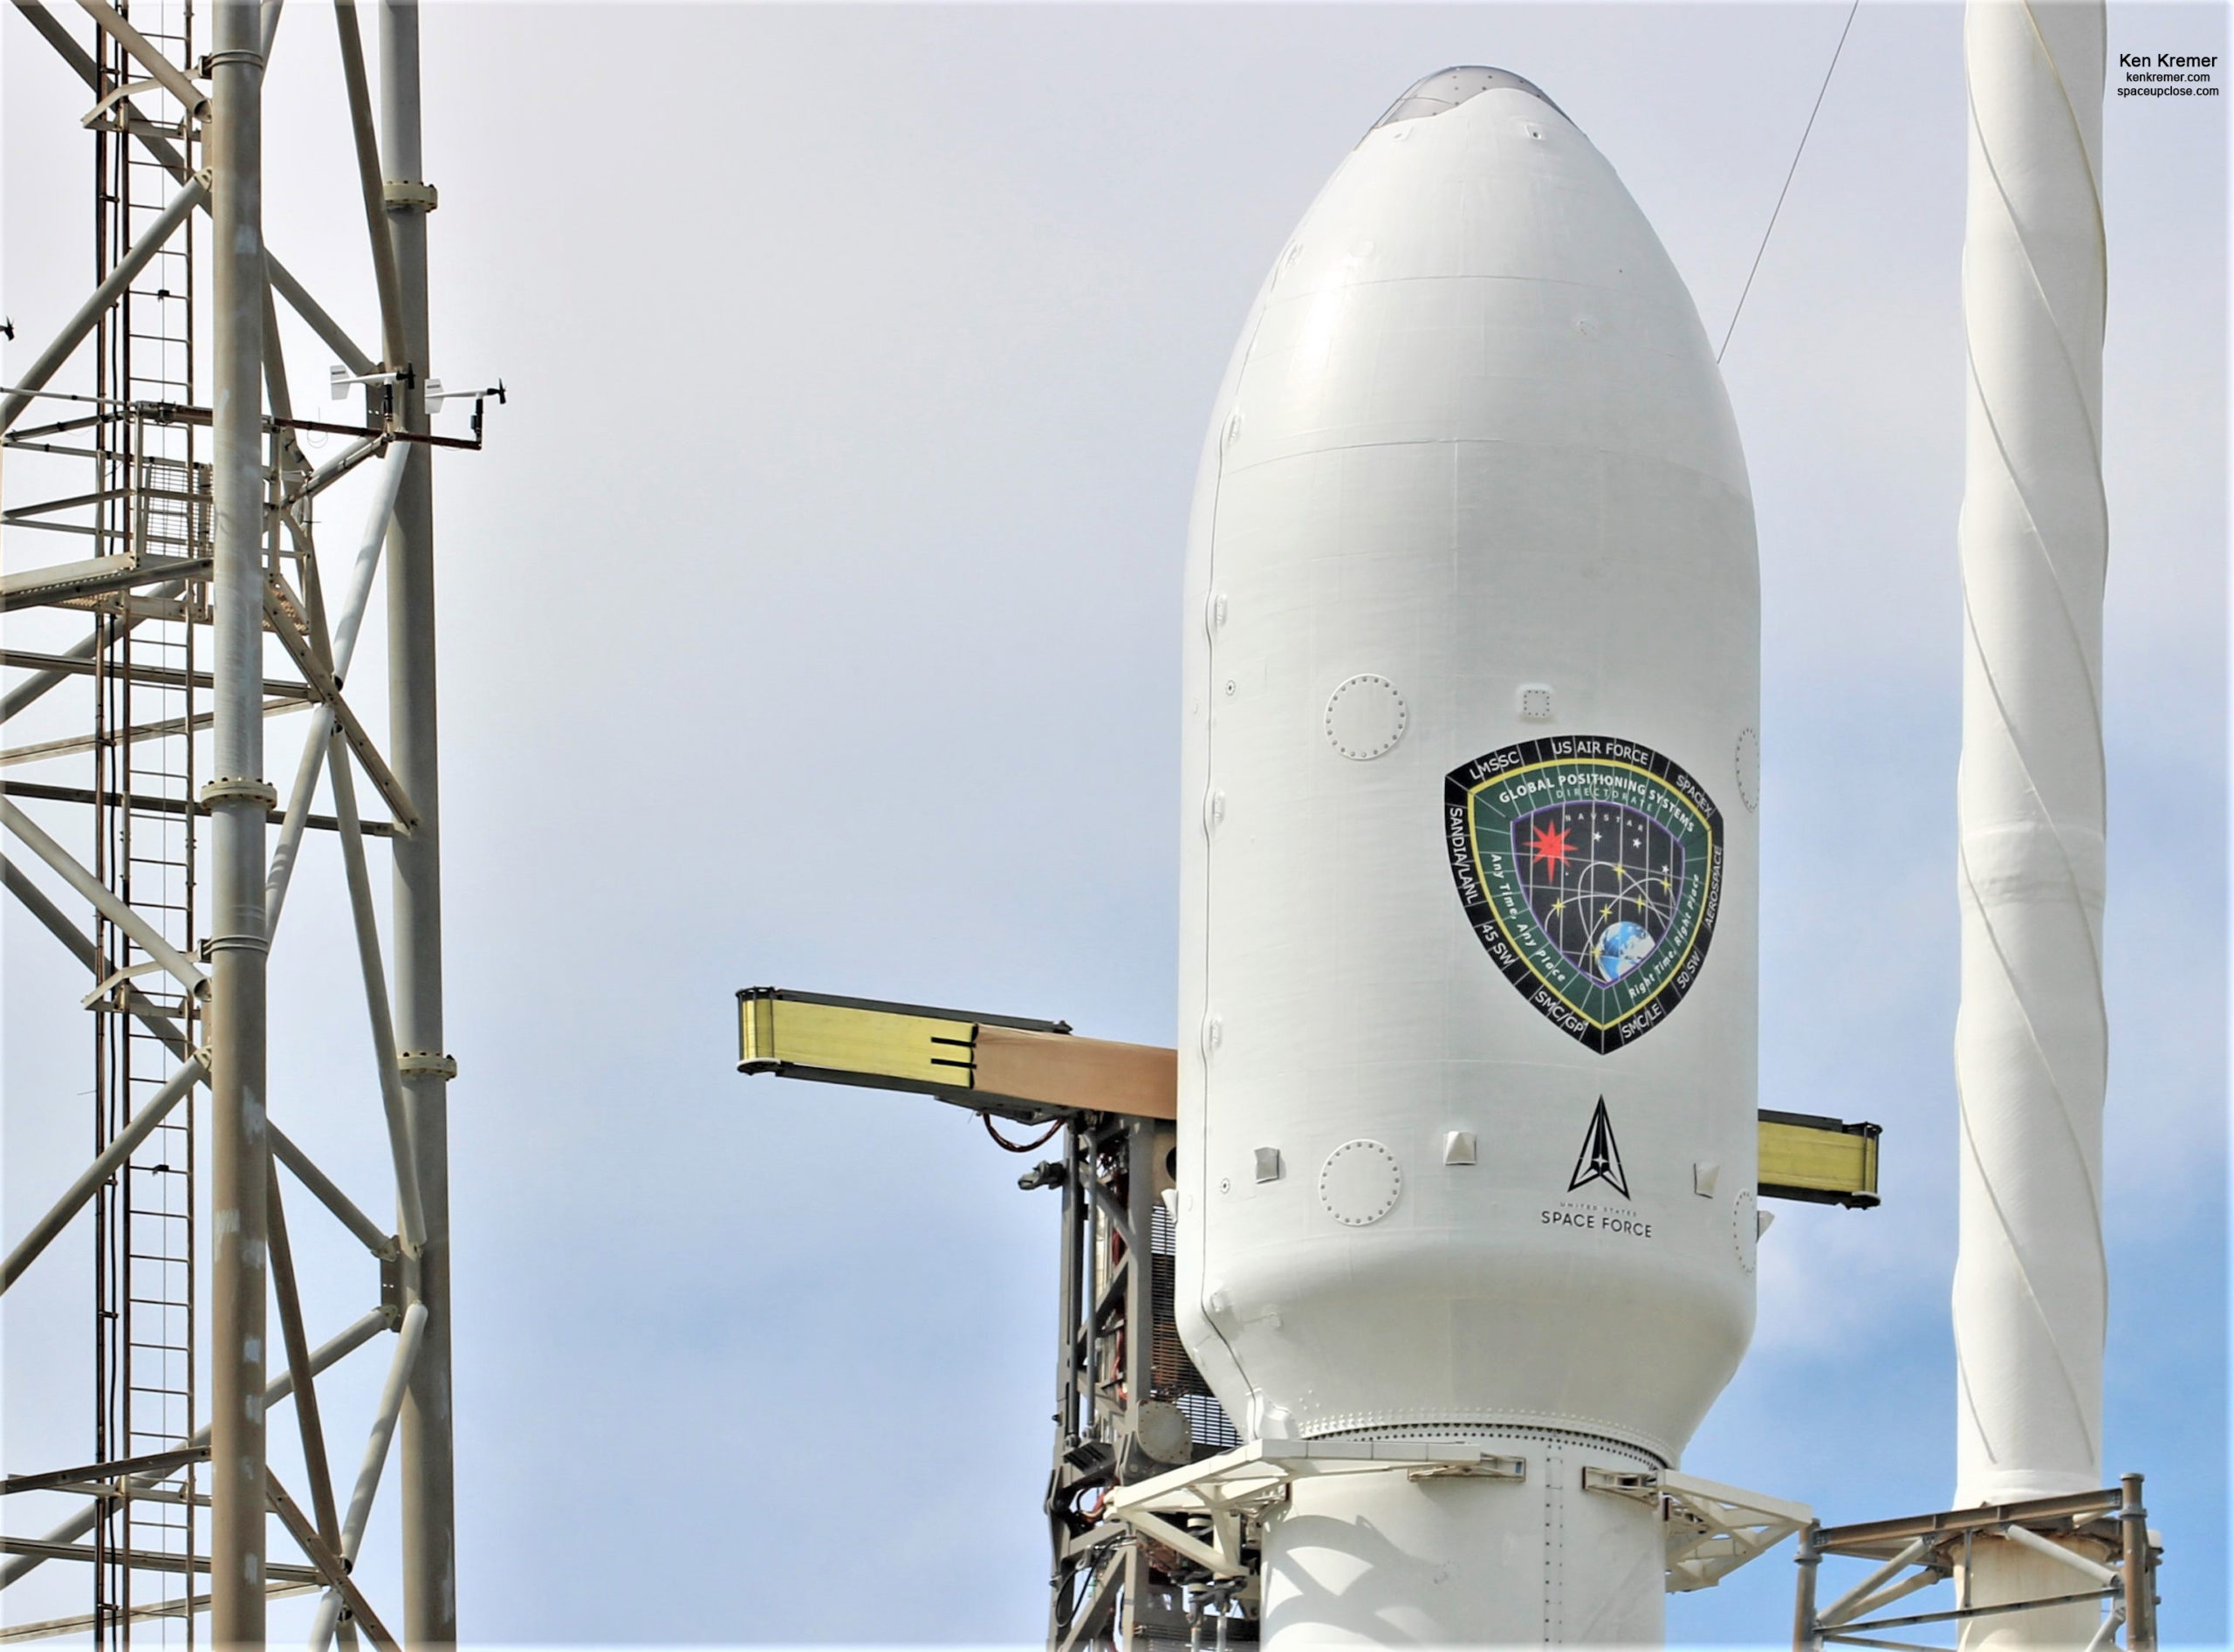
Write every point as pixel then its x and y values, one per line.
pixel 368 1476
pixel 351 617
pixel 410 1212
pixel 359 1333
pixel 368 556
pixel 65 1209
pixel 2027 1538
pixel 151 241
pixel 174 962
pixel 1841 1609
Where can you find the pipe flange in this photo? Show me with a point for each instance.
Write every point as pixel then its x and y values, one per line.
pixel 403 194
pixel 425 1064
pixel 239 788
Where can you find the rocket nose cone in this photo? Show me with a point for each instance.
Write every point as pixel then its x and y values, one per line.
pixel 1448 88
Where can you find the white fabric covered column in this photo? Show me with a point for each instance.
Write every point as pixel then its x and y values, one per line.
pixel 2030 1039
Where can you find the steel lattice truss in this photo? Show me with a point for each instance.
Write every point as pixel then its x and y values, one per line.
pixel 161 508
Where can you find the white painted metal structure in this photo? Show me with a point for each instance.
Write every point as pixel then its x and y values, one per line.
pixel 2032 1040
pixel 1472 481
pixel 203 612
pixel 1708 1530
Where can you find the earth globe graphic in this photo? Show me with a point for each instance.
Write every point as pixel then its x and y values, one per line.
pixel 1620 948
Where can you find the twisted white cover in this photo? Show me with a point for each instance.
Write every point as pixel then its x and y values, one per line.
pixel 2030 1039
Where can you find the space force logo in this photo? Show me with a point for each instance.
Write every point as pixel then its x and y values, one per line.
pixel 1591 869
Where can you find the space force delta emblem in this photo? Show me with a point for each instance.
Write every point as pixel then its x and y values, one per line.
pixel 1590 870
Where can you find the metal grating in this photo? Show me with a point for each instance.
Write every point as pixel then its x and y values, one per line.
pixel 1174 1376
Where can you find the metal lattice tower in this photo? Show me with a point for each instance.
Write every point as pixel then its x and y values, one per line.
pixel 157 500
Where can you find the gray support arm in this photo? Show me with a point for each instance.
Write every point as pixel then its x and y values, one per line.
pixel 363 1331
pixel 298 299
pixel 368 1476
pixel 49 1227
pixel 166 73
pixel 175 964
pixel 376 1000
pixel 81 947
pixel 34 688
pixel 344 1207
pixel 309 1423
pixel 368 177
pixel 343 648
pixel 73 333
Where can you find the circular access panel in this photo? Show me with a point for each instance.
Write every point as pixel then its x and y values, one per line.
pixel 1360 1183
pixel 1366 717
pixel 1744 1230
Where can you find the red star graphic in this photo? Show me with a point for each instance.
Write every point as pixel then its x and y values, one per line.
pixel 1551 844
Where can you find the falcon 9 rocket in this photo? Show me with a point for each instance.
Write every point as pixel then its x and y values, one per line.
pixel 1468 935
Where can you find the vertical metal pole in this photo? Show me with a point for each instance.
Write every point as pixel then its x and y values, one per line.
pixel 1137 1375
pixel 237 797
pixel 1127 1625
pixel 427 1466
pixel 2136 1575
pixel 1068 1310
pixel 1803 1612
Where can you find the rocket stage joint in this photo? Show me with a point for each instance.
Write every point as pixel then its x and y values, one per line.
pixel 1209 1511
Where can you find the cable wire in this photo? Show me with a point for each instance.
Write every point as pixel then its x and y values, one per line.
pixel 1789 175
pixel 1018 1146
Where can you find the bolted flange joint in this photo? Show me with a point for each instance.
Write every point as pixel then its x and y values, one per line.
pixel 394 1289
pixel 239 789
pixel 425 1064
pixel 403 194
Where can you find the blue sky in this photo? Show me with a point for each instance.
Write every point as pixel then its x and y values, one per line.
pixel 813 619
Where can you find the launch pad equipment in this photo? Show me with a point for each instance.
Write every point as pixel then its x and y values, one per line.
pixel 1035 1073
pixel 178 462
pixel 2092 1550
pixel 1156 1504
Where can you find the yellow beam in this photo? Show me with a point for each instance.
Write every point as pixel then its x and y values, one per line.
pixel 1823 1161
pixel 1030 1070
pixel 1040 1070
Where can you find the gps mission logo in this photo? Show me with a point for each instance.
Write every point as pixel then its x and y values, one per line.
pixel 1590 870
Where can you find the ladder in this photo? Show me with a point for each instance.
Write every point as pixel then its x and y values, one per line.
pixel 152 500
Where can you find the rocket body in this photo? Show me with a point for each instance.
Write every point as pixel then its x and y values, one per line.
pixel 1469 961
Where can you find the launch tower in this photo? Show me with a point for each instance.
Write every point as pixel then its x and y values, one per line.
pixel 167 599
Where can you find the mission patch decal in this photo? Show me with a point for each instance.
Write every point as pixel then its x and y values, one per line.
pixel 1591 869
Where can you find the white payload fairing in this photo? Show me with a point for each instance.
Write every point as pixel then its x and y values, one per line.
pixel 1469 961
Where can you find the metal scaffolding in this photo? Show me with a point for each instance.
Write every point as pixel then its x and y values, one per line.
pixel 158 425
pixel 1129 1402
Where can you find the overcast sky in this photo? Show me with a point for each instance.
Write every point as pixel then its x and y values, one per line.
pixel 813 617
